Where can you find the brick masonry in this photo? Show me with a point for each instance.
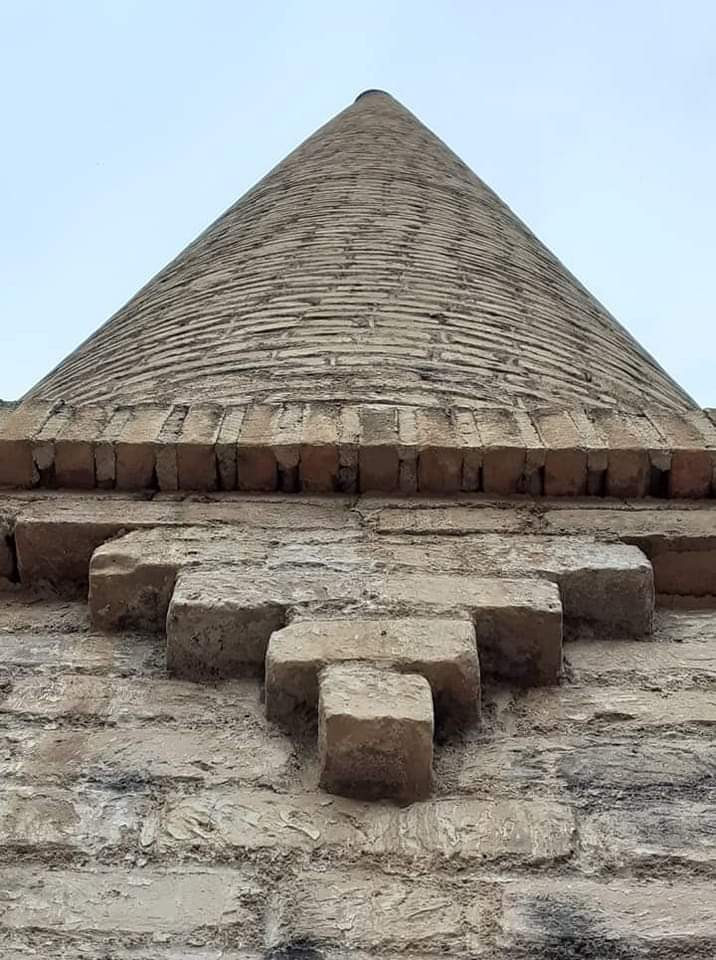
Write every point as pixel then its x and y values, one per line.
pixel 329 447
pixel 371 265
pixel 151 818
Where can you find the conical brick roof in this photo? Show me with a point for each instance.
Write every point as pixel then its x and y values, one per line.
pixel 370 266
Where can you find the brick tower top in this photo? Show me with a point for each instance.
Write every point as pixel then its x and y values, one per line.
pixel 370 266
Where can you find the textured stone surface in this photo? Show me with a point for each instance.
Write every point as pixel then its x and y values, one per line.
pixel 221 618
pixel 623 918
pixel 361 910
pixel 375 732
pixel 116 902
pixel 455 830
pixel 574 821
pixel 370 265
pixel 442 651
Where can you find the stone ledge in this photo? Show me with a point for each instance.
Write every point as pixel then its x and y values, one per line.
pixel 329 447
pixel 442 651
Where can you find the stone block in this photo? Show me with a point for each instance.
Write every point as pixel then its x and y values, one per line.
pixel 17 430
pixel 196 457
pixel 286 436
pixel 75 446
pixel 226 446
pixel 319 449
pixel 471 442
pixel 442 651
pixel 375 733
pixel 129 592
pixel 212 633
pixel 113 901
pixel 440 457
pixel 256 463
pixel 513 454
pixel 518 622
pixel 634 446
pixel 692 459
pixel 135 449
pixel 565 465
pixel 348 443
pixel 378 459
pixel 105 453
pixel 408 449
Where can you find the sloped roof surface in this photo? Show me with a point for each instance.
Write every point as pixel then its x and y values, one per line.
pixel 371 265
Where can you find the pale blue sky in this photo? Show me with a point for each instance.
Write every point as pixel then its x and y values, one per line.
pixel 129 125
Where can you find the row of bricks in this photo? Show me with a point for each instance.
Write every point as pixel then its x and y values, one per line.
pixel 323 447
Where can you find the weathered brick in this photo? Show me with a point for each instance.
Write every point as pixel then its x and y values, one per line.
pixel 226 446
pixel 319 448
pixel 17 430
pixel 565 465
pixel 359 909
pixel 256 459
pixel 75 445
pixel 196 457
pixel 83 820
pixel 513 454
pixel 375 732
pixel 629 917
pixel 105 452
pixel 113 901
pixel 135 449
pixel 692 461
pixel 239 752
pixel 464 829
pixel 378 459
pixel 440 459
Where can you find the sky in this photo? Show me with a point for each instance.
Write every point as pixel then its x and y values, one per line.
pixel 128 126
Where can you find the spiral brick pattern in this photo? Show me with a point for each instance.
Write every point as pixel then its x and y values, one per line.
pixel 370 266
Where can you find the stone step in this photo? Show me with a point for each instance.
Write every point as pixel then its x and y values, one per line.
pixel 181 903
pixel 606 583
pixel 225 616
pixel 442 651
pixel 460 830
pixel 623 918
pixel 359 909
pixel 238 753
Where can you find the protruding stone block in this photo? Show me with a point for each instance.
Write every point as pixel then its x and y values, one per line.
pixel 513 454
pixel 375 733
pixel 634 448
pixel 136 447
pixel 692 458
pixel 319 449
pixel 440 458
pixel 226 446
pixel 378 455
pixel 442 651
pixel 196 457
pixel 211 634
pixel 565 465
pixel 256 460
pixel 74 447
pixel 17 429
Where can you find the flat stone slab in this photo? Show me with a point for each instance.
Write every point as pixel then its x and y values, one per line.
pixel 221 618
pixel 629 918
pixel 375 732
pixel 442 651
